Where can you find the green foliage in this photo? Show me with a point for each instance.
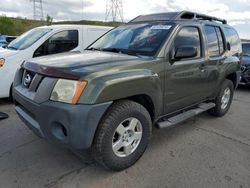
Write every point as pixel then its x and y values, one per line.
pixel 7 27
pixel 17 26
pixel 245 40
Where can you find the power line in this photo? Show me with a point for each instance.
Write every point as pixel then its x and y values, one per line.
pixel 37 9
pixel 114 8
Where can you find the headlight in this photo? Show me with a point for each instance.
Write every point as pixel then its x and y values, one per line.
pixel 2 61
pixel 68 91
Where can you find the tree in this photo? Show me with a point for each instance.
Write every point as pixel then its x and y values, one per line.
pixel 49 19
pixel 7 27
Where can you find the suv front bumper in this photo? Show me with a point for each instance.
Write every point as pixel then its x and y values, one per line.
pixel 73 126
pixel 245 76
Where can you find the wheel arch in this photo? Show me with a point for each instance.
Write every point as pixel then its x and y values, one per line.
pixel 233 77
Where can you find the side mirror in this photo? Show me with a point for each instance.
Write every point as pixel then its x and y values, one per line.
pixel 185 52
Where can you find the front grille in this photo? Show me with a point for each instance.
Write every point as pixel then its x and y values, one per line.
pixel 27 78
pixel 31 80
pixel 38 89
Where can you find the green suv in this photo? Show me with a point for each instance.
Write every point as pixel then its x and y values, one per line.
pixel 157 70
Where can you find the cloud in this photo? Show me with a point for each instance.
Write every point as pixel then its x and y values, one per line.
pixel 237 12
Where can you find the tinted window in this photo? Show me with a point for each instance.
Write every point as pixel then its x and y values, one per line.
pixel 188 36
pixel 233 39
pixel 246 49
pixel 220 39
pixel 63 41
pixel 212 41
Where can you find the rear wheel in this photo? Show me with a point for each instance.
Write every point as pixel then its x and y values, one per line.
pixel 122 136
pixel 224 99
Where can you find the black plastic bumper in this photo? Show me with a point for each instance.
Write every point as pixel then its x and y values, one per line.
pixel 245 78
pixel 73 126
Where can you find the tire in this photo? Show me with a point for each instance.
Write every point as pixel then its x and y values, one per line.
pixel 122 116
pixel 10 93
pixel 221 108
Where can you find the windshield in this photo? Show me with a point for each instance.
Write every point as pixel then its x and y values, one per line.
pixel 135 39
pixel 246 49
pixel 28 38
pixel 2 39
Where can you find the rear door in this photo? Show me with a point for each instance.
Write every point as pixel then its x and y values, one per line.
pixel 215 42
pixel 185 80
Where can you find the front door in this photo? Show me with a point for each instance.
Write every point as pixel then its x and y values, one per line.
pixel 185 78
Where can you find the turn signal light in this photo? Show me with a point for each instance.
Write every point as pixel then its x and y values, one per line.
pixel 1 62
pixel 79 89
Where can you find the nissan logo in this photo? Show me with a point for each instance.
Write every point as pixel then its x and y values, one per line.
pixel 27 80
pixel 243 68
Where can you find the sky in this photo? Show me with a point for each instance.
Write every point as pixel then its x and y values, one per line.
pixel 237 12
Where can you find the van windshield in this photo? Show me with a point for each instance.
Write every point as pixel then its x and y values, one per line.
pixel 27 39
pixel 246 49
pixel 134 39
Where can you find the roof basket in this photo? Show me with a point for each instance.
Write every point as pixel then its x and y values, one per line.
pixel 193 15
pixel 184 15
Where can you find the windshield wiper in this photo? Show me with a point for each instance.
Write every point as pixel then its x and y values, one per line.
pixel 116 50
pixel 94 49
pixel 11 47
pixel 124 51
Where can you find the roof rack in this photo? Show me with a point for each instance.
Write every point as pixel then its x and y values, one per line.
pixel 193 15
pixel 184 15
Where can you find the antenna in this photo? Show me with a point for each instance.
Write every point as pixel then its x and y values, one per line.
pixel 114 8
pixel 37 9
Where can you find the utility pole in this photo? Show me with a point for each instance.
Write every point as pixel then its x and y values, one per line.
pixel 37 9
pixel 114 8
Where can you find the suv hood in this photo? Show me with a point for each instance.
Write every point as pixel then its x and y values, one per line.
pixel 6 52
pixel 74 65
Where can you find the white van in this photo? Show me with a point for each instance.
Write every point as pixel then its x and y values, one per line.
pixel 40 41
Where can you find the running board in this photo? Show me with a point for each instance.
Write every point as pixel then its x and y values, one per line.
pixel 185 115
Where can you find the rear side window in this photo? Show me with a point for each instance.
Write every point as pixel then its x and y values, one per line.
pixel 62 41
pixel 188 36
pixel 220 40
pixel 233 39
pixel 212 41
pixel 215 41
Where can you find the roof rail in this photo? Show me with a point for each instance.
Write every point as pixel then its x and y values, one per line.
pixel 176 16
pixel 193 15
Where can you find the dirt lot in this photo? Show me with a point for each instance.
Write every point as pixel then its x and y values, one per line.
pixel 202 152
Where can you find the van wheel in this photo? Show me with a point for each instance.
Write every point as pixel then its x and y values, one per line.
pixel 122 136
pixel 224 99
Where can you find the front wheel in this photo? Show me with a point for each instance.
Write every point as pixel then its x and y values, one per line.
pixel 122 136
pixel 224 99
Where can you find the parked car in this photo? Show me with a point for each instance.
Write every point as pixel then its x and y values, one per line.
pixel 5 40
pixel 156 70
pixel 245 67
pixel 10 38
pixel 43 41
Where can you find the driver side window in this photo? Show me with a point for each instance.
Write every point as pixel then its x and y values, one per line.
pixel 188 37
pixel 63 41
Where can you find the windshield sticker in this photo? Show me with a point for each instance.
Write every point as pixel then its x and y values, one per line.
pixel 162 27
